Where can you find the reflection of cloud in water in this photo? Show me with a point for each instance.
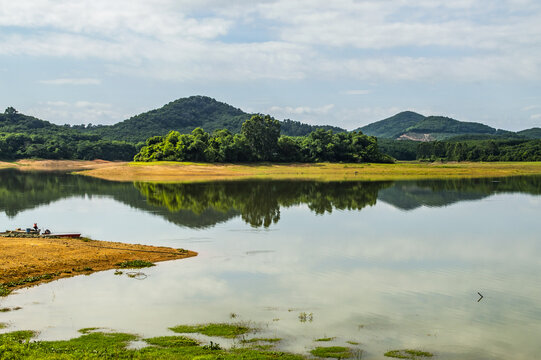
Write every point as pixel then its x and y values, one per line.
pixel 256 252
pixel 409 278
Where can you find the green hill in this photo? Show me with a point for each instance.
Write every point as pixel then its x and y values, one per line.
pixel 409 125
pixel 186 114
pixel 182 115
pixel 448 126
pixel 533 133
pixel 392 127
pixel 12 121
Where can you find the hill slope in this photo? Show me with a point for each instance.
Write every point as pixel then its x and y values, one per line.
pixel 392 127
pixel 533 133
pixel 409 125
pixel 186 114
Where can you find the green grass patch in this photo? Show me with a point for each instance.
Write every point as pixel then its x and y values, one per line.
pixel 256 340
pixel 353 342
pixel 88 330
pixel 4 291
pixel 99 345
pixel 20 336
pixel 217 329
pixel 3 325
pixel 135 264
pixel 408 354
pixel 172 341
pixel 336 352
pixel 26 281
pixel 326 339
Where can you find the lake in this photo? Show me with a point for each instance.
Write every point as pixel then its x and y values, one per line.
pixel 388 265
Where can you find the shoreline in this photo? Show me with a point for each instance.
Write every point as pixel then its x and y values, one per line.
pixel 205 172
pixel 326 172
pixel 30 261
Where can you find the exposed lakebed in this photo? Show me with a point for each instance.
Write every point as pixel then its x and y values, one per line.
pixel 388 265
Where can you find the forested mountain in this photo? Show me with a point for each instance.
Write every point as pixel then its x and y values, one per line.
pixel 182 115
pixel 392 127
pixel 533 133
pixel 409 125
pixel 186 114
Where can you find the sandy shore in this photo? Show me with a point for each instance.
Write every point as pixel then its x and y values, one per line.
pixel 23 258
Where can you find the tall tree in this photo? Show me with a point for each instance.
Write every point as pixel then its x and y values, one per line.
pixel 262 135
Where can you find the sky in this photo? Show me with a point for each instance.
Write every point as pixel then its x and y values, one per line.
pixel 343 62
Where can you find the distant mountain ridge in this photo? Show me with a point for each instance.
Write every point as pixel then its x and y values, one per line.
pixel 185 114
pixel 409 125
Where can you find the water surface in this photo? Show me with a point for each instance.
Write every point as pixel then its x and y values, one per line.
pixel 388 265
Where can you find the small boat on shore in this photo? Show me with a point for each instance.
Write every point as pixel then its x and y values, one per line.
pixel 63 235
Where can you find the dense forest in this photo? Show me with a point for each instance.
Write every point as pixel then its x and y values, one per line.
pixel 260 140
pixel 464 149
pixel 23 136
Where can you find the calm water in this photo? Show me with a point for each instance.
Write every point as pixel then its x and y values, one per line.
pixel 388 265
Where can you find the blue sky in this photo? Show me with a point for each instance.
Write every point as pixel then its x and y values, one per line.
pixel 342 62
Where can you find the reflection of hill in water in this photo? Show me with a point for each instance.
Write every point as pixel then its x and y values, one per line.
pixel 409 195
pixel 202 205
pixel 259 202
pixel 20 191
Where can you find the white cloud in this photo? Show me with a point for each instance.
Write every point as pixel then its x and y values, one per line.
pixel 78 112
pixel 535 116
pixel 72 81
pixel 171 40
pixel 305 113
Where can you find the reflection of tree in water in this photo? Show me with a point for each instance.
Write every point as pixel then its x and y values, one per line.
pixel 409 195
pixel 259 202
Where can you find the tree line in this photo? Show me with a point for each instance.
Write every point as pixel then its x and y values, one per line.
pixel 63 146
pixel 260 140
pixel 510 149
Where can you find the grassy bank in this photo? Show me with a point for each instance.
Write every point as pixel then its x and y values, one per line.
pixel 193 172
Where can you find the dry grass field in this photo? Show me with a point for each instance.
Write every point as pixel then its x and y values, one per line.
pixel 195 172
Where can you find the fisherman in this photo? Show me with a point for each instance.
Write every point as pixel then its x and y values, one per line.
pixel 36 226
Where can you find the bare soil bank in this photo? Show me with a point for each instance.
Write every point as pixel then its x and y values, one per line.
pixel 24 258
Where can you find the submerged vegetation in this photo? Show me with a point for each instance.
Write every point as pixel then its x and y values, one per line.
pixel 96 344
pixel 408 354
pixel 135 264
pixel 214 329
pixel 336 352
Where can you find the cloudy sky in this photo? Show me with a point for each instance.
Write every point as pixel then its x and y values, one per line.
pixel 340 62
